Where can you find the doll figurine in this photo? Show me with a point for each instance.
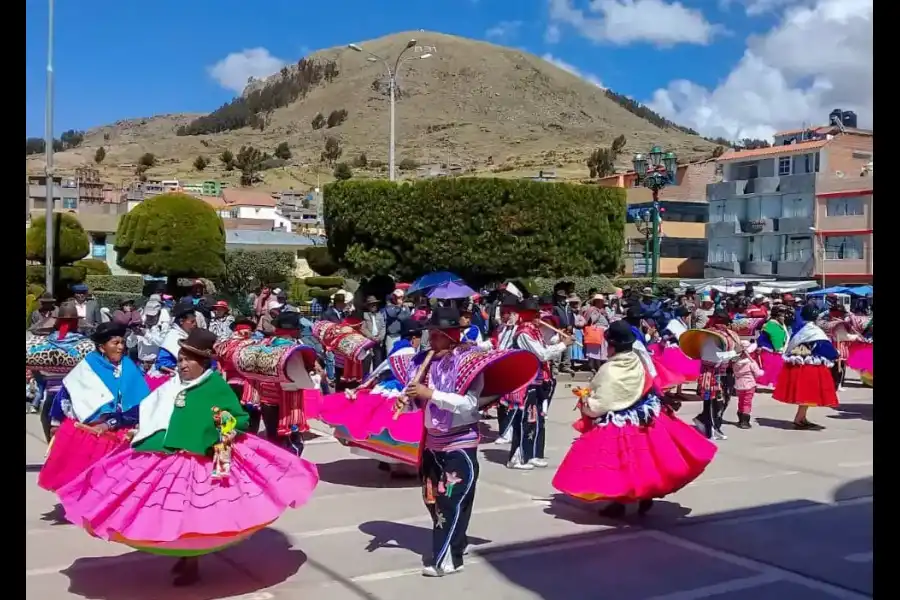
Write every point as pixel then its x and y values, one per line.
pixel 226 424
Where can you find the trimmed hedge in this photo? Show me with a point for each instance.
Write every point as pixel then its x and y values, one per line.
pixel 174 235
pixel 66 275
pixel 129 284
pixel 322 294
pixel 319 260
pixel 482 229
pixel 113 300
pixel 580 285
pixel 663 285
pixel 324 282
pixel 72 242
pixel 93 266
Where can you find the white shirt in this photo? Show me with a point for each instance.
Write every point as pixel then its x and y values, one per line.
pixel 81 308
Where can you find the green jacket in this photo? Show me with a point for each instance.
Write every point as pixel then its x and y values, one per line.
pixel 191 427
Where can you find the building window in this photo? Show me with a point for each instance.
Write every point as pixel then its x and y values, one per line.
pixel 798 249
pixel 784 165
pixel 845 247
pixel 233 213
pixel 852 206
pixel 797 208
pixel 682 248
pixel 70 203
pixel 98 246
pixel 746 171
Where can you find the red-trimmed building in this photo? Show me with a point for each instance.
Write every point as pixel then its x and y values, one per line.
pixel 844 227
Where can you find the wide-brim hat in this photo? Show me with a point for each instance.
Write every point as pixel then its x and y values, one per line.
pixel 107 331
pixel 182 309
pixel 287 320
pixel 200 342
pixel 67 310
pixel 647 292
pixel 529 305
pixel 411 328
pixel 443 318
pixel 47 299
pixel 152 308
pixel 620 334
pixel 371 300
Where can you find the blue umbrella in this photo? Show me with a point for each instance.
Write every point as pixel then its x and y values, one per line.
pixel 432 280
pixel 452 290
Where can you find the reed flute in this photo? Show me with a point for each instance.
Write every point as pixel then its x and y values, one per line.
pixel 418 378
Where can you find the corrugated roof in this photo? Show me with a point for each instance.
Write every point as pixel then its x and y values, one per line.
pixel 771 151
pixel 823 129
pixel 239 197
pixel 270 238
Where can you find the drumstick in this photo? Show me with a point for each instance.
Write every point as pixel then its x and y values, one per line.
pixel 419 375
pixel 560 332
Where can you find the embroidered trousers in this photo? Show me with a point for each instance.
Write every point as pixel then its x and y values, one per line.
pixel 528 437
pixel 448 488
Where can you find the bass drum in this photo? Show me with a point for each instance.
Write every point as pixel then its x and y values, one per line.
pixel 288 365
pixel 46 356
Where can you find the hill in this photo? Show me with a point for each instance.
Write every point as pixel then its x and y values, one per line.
pixel 487 108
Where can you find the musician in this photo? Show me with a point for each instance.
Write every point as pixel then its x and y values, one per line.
pixel 470 332
pixel 528 438
pixel 502 339
pixel 716 377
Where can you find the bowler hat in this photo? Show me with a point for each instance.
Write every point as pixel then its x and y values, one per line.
pixel 443 317
pixel 107 331
pixel 199 342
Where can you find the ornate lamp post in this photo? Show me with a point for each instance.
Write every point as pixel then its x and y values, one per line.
pixel 655 171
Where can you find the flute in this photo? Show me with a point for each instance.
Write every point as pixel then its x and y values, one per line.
pixel 419 375
pixel 560 332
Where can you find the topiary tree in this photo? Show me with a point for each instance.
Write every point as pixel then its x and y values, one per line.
pixel 71 244
pixel 94 266
pixel 174 235
pixel 319 260
pixel 482 229
pixel 246 270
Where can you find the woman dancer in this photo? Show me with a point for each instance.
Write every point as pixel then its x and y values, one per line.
pixel 191 483
pixel 97 403
pixel 632 448
pixel 806 378
pixel 771 342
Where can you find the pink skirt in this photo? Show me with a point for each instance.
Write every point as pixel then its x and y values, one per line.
pixel 862 357
pixel 370 415
pixel 771 363
pixel 632 463
pixel 73 450
pixel 678 362
pixel 170 503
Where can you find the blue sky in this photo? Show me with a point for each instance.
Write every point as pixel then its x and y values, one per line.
pixel 124 59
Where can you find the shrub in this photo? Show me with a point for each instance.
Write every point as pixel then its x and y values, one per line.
pixel 542 286
pixel 65 276
pixel 663 285
pixel 336 118
pixel 342 171
pixel 99 155
pixel 323 294
pixel 175 235
pixel 324 282
pixel 298 291
pixel 246 270
pixel 31 305
pixel 129 284
pixel 408 164
pixel 482 229
pixel 319 260
pixel 200 163
pixel 71 241
pixel 93 266
pixel 113 300
pixel 361 161
pixel 318 121
pixel 283 151
pixel 148 159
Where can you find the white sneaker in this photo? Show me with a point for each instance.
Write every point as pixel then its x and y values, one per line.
pixel 718 435
pixel 503 441
pixel 701 427
pixel 445 568
pixel 540 463
pixel 519 465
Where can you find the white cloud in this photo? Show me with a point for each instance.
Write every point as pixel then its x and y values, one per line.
pixel 755 8
pixel 623 22
pixel 504 30
pixel 553 34
pixel 593 79
pixel 233 71
pixel 817 58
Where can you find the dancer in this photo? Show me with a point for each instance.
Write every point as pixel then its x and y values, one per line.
pixel 97 404
pixel 502 339
pixel 632 448
pixel 746 374
pixel 806 377
pixel 449 389
pixel 471 333
pixel 191 483
pixel 771 342
pixel 528 437
pixel 668 357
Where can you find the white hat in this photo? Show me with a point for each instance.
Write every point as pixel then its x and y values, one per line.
pixel 748 346
pixel 276 291
pixel 273 304
pixel 597 297
pixel 153 307
pixel 398 293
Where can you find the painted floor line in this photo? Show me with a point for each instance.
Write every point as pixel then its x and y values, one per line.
pixel 863 557
pixel 726 587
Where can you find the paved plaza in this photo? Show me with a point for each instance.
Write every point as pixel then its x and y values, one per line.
pixel 779 514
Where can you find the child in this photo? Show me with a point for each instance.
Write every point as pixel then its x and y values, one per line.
pixel 746 372
pixel 32 393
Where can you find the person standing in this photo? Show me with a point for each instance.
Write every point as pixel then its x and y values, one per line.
pixel 565 317
pixel 373 327
pixel 46 309
pixel 88 309
pixel 338 309
pixel 395 315
pixel 746 372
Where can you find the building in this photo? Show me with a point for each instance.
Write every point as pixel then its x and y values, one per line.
pixel 82 193
pixel 302 209
pixel 204 188
pixel 762 213
pixel 682 244
pixel 275 240
pixel 844 220
pixel 237 206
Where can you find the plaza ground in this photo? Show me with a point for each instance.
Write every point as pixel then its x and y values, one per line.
pixel 779 514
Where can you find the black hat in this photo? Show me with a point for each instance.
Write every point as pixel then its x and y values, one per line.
pixel 287 320
pixel 443 317
pixel 682 311
pixel 620 336
pixel 690 290
pixel 182 309
pixel 200 342
pixel 510 301
pixel 242 321
pixel 410 328
pixel 548 300
pixel 107 331
pixel 530 304
pixel 809 313
pixel 722 315
pixel 634 313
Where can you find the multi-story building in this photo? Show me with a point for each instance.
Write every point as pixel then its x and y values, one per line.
pixel 302 209
pixel 762 213
pixel 237 206
pixel 210 187
pixel 682 244
pixel 844 219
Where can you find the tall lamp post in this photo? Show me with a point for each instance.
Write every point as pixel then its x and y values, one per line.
pixel 645 228
pixel 392 78
pixel 48 150
pixel 655 171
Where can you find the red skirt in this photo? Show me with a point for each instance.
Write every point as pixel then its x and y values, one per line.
pixel 73 450
pixel 805 385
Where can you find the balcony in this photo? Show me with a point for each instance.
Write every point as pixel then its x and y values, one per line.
pixel 785 184
pixel 757 226
pixel 795 225
pixel 758 267
pixel 844 223
pixel 720 229
pixel 795 268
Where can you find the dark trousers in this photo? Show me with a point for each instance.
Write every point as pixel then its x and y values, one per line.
pixel 448 488
pixel 715 402
pixel 269 414
pixel 504 417
pixel 528 437
pixel 837 373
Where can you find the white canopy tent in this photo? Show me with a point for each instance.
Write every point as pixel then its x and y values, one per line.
pixel 728 285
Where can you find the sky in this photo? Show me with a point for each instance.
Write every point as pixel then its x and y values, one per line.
pixel 729 68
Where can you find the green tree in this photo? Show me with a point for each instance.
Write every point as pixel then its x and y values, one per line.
pixel 602 161
pixel 408 164
pixel 319 260
pixel 361 161
pixel 71 244
pixel 200 163
pixel 99 155
pixel 336 118
pixel 342 171
pixel 248 269
pixel 71 138
pixel 227 159
pixel 332 151
pixel 93 266
pixel 318 121
pixel 249 162
pixel 148 159
pixel 283 151
pixel 174 235
pixel 483 229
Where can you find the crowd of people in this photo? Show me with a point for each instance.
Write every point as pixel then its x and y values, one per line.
pixel 153 415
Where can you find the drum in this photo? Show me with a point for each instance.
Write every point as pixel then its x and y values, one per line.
pixel 343 340
pixel 747 327
pixel 288 365
pixel 44 355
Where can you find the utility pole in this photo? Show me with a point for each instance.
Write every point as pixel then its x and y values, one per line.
pixel 49 188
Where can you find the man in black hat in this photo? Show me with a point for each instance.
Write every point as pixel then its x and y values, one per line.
pixel 450 454
pixel 184 320
pixel 716 377
pixel 527 423
pixel 374 328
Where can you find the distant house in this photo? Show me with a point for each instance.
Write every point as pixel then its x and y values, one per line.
pixel 248 205
pixel 275 240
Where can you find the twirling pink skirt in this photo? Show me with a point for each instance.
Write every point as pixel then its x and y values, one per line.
pixel 632 463
pixel 771 363
pixel 666 377
pixel 170 503
pixel 73 450
pixel 369 415
pixel 678 362
pixel 862 357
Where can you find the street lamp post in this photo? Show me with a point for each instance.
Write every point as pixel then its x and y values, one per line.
pixel 646 229
pixel 392 78
pixel 655 171
pixel 48 154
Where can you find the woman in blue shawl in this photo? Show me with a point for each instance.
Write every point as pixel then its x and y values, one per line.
pixel 91 413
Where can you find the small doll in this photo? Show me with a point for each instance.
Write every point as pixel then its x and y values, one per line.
pixel 584 423
pixel 227 426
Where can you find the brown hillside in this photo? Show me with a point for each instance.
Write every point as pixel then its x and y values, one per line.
pixel 485 107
